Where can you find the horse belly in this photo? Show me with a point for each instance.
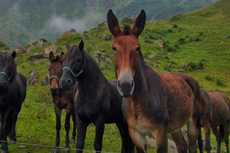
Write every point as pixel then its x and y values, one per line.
pixel 180 107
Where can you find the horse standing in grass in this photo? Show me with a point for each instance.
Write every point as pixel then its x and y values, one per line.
pixel 12 94
pixel 62 99
pixel 220 117
pixel 153 103
pixel 97 100
pixel 200 117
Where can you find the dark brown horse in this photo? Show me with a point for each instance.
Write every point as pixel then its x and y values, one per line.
pixel 62 99
pixel 153 103
pixel 12 94
pixel 97 100
pixel 200 116
pixel 220 116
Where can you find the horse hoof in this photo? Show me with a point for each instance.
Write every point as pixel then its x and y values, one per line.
pixel 67 150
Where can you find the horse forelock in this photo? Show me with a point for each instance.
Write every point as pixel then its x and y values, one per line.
pixel 126 30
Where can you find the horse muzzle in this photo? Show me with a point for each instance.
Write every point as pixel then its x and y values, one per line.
pixel 54 91
pixel 125 88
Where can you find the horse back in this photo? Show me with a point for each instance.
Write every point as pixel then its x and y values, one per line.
pixel 180 98
pixel 220 107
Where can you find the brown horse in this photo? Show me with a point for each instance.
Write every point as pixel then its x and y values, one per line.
pixel 200 116
pixel 220 115
pixel 62 99
pixel 12 94
pixel 153 103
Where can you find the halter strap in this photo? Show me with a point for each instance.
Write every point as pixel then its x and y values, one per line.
pixel 54 77
pixel 6 76
pixel 74 75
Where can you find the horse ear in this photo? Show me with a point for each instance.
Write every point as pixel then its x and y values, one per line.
pixel 81 45
pixel 113 24
pixel 51 56
pixel 13 54
pixel 61 56
pixel 67 46
pixel 139 24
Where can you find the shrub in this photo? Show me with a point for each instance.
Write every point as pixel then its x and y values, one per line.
pixel 200 64
pixel 175 26
pixel 208 77
pixel 181 41
pixel 170 31
pixel 197 39
pixel 193 65
pixel 171 49
pixel 219 82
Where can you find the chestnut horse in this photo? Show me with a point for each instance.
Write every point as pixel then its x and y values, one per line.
pixel 62 99
pixel 153 103
pixel 220 117
pixel 97 100
pixel 200 116
pixel 12 94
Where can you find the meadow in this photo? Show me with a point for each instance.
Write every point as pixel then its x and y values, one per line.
pixel 200 40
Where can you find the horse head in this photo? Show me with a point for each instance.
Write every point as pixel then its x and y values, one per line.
pixel 7 70
pixel 55 72
pixel 126 49
pixel 72 67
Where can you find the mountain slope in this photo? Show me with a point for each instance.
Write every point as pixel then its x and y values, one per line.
pixel 36 15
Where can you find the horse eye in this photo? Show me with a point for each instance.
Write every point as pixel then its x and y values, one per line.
pixel 138 49
pixel 114 49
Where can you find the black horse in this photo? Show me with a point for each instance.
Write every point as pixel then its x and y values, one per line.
pixel 97 100
pixel 12 94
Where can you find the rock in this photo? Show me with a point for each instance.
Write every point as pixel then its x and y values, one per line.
pixel 38 56
pixel 152 56
pixel 44 82
pixel 42 42
pixel 52 48
pixel 72 31
pixel 106 37
pixel 33 76
pixel 104 23
pixel 171 145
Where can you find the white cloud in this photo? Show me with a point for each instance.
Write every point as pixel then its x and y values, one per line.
pixel 59 24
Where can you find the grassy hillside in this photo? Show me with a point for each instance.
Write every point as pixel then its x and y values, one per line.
pixel 199 39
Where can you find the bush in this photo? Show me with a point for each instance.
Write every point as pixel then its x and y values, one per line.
pixel 197 39
pixel 219 82
pixel 207 77
pixel 170 31
pixel 175 26
pixel 171 49
pixel 193 65
pixel 181 41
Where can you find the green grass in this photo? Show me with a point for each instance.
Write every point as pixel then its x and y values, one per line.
pixel 199 36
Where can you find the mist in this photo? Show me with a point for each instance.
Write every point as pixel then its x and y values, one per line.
pixel 59 24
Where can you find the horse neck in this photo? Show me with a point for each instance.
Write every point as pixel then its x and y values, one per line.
pixel 91 75
pixel 144 76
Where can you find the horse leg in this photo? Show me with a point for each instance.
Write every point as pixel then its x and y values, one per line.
pixel 218 138
pixel 14 120
pixel 5 129
pixel 139 140
pixel 74 125
pixel 127 144
pixel 192 135
pixel 100 125
pixel 58 127
pixel 67 127
pixel 81 133
pixel 207 137
pixel 200 141
pixel 180 141
pixel 226 134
